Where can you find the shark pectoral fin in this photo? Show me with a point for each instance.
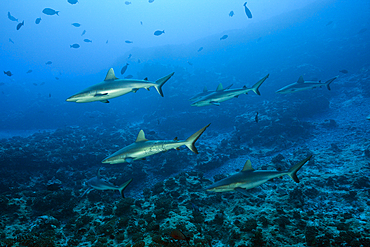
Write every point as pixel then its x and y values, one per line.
pixel 123 187
pixel 104 101
pixel 86 192
pixel 236 96
pixel 215 103
pixel 242 191
pixel 100 94
pixel 129 160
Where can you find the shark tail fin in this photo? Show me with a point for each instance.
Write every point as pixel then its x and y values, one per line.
pixel 293 170
pixel 327 83
pixel 123 187
pixel 161 82
pixel 258 84
pixel 193 138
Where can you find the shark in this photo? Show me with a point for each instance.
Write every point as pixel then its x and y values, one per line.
pixel 206 92
pixel 302 85
pixel 249 178
pixel 368 117
pixel 100 184
pixel 143 148
pixel 113 87
pixel 215 98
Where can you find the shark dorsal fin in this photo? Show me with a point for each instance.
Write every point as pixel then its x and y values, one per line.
pixel 300 80
pixel 146 78
pixel 205 90
pixel 141 137
pixel 248 166
pixel 110 75
pixel 175 139
pixel 220 87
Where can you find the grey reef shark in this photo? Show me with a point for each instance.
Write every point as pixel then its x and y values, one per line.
pixel 113 87
pixel 249 178
pixel 206 92
pixel 302 85
pixel 100 184
pixel 143 148
pixel 220 95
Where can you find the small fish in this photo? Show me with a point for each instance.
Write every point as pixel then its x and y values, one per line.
pixel 11 41
pixel 88 41
pixel 37 21
pixel 20 25
pixel 8 73
pixel 224 37
pixel 344 71
pixel 158 32
pixel 76 24
pixel 73 1
pixel 124 68
pixel 83 33
pixel 128 42
pixel 201 48
pixel 191 64
pixel 247 11
pixel 138 61
pixel 330 22
pixel 75 46
pixel 129 76
pixel 12 18
pixel 129 56
pixel 56 78
pixel 2 83
pixel 256 117
pixel 362 30
pixel 127 3
pixel 29 71
pixel 231 14
pixel 49 95
pixel 48 62
pixel 106 42
pixel 42 83
pixel 150 1
pixel 35 84
pixel 178 235
pixel 49 11
pixel 141 22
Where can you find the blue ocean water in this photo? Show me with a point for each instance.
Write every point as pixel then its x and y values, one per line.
pixel 45 139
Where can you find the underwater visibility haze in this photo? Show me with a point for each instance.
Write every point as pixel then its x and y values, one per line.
pixel 136 123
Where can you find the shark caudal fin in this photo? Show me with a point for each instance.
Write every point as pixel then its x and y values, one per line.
pixel 258 84
pixel 292 172
pixel 161 82
pixel 123 187
pixel 193 138
pixel 327 83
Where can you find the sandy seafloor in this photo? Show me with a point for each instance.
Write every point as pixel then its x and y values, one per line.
pixel 329 207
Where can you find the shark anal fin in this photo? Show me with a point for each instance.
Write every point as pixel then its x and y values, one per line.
pixel 215 103
pixel 135 90
pixel 105 101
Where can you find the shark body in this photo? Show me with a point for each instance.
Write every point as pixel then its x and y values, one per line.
pixel 302 85
pixel 100 184
pixel 206 92
pixel 143 148
pixel 249 178
pixel 113 87
pixel 218 96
